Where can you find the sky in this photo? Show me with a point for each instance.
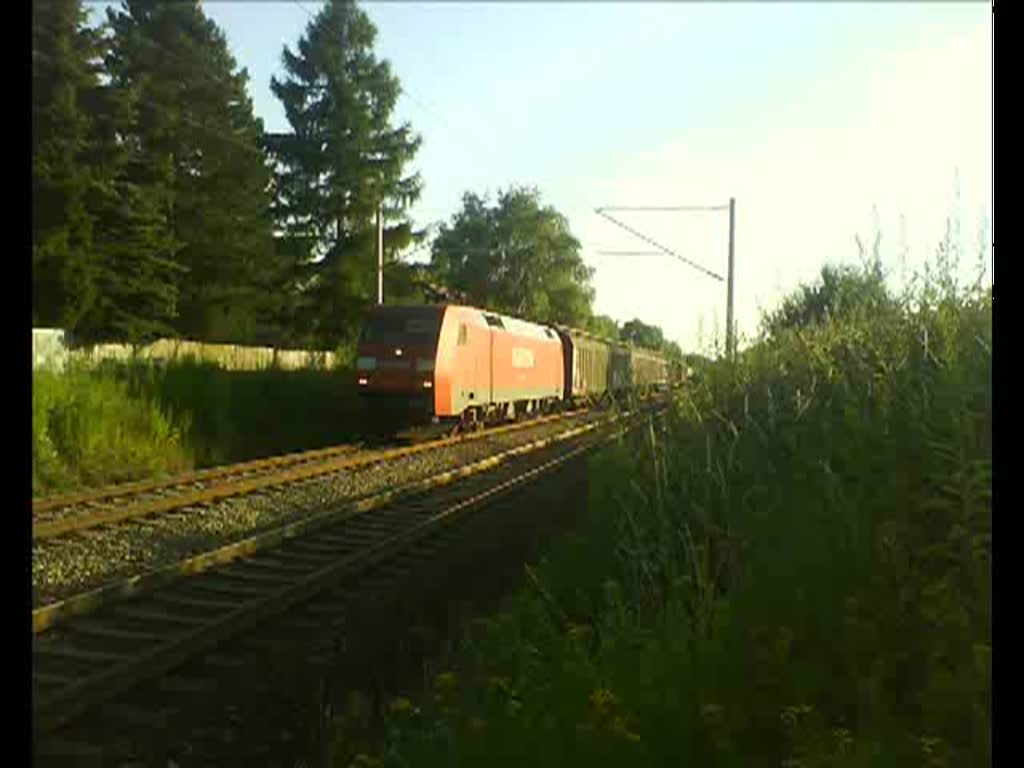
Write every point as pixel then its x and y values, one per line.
pixel 824 121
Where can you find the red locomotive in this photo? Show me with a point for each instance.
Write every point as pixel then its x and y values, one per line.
pixel 467 365
pixel 455 362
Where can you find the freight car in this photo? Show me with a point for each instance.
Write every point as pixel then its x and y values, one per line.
pixel 649 371
pixel 587 362
pixel 467 365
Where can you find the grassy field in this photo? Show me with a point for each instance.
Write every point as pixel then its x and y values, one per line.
pixel 120 422
pixel 796 573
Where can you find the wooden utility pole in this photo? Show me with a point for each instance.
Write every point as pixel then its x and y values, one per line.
pixel 730 330
pixel 380 256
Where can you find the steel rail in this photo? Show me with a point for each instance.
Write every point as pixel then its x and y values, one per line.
pixel 47 616
pixel 77 522
pixel 309 571
pixel 60 501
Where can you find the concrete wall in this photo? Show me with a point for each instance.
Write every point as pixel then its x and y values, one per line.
pixel 50 349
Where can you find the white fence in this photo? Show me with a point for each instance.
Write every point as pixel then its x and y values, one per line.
pixel 50 349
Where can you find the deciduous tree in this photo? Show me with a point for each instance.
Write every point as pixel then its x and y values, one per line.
pixel 638 332
pixel 517 256
pixel 840 291
pixel 604 326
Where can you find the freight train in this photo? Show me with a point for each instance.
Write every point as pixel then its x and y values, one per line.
pixel 465 366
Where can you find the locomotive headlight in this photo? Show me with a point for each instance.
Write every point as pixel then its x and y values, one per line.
pixel 362 381
pixel 366 364
pixel 428 384
pixel 424 365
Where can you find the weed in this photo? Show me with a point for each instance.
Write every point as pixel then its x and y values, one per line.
pixel 796 572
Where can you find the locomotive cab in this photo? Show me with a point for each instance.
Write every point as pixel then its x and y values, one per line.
pixel 396 358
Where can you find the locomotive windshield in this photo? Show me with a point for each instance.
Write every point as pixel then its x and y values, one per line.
pixel 407 325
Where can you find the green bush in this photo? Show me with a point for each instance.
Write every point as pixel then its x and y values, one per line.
pixel 797 572
pixel 87 429
pixel 121 421
pixel 241 415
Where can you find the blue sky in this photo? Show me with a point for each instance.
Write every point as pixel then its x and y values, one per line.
pixel 813 116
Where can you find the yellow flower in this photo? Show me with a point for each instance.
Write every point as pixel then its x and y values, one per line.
pixel 843 740
pixel 602 701
pixel 499 684
pixel 934 751
pixel 445 681
pixel 358 707
pixel 445 684
pixel 783 643
pixel 578 631
pixel 401 706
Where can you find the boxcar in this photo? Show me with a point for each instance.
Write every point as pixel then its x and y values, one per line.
pixel 650 370
pixel 587 363
pixel 620 377
pixel 636 369
pixel 457 362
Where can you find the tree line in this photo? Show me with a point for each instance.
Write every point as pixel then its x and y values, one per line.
pixel 162 207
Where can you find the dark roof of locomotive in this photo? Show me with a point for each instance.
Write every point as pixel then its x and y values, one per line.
pixel 557 327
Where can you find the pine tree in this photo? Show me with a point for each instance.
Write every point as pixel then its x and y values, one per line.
pixel 64 72
pixel 138 274
pixel 202 148
pixel 342 158
pixel 101 250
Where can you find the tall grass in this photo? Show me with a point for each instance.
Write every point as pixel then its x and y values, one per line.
pixel 124 421
pixel 87 429
pixel 240 415
pixel 796 572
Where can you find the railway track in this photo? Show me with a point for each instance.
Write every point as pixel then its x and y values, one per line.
pixel 75 513
pixel 85 657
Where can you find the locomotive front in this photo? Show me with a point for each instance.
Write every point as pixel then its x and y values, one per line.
pixel 396 357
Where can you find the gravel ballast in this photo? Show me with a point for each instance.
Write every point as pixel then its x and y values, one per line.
pixel 71 564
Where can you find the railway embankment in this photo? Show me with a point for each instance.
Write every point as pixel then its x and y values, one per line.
pixel 85 541
pixel 303 597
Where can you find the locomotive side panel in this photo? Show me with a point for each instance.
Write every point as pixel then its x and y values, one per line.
pixel 464 362
pixel 527 361
pixel 485 359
